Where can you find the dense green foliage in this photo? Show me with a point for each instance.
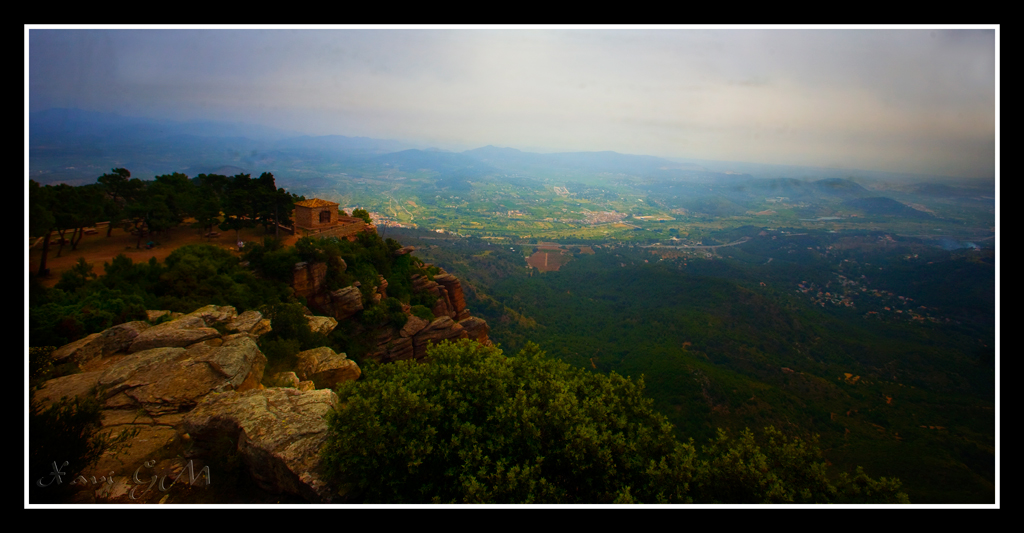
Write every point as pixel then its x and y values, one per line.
pixel 290 335
pixel 730 341
pixel 191 277
pixel 475 426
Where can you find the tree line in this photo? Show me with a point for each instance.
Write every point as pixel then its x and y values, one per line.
pixel 144 208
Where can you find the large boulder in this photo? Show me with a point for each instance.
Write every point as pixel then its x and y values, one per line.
pixel 250 322
pixel 239 360
pixel 114 378
pixel 176 333
pixel 322 324
pixel 105 343
pixel 279 432
pixel 476 328
pixel 173 380
pixel 325 368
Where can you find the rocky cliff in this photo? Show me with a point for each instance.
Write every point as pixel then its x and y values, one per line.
pixel 452 320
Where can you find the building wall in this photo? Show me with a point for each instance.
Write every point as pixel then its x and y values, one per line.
pixel 303 217
pixel 309 217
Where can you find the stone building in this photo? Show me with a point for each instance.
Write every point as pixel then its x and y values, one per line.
pixel 315 215
pixel 318 216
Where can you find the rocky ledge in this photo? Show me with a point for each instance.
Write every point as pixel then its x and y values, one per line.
pixel 185 382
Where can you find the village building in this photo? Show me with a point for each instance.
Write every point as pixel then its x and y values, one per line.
pixel 321 217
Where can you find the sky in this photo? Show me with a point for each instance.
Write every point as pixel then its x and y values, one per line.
pixel 919 100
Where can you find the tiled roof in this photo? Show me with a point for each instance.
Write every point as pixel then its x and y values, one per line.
pixel 315 202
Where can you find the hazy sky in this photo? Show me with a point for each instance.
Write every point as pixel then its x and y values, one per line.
pixel 909 100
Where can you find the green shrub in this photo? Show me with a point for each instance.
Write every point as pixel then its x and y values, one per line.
pixel 422 312
pixel 475 426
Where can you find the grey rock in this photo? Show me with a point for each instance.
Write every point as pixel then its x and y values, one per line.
pixel 279 432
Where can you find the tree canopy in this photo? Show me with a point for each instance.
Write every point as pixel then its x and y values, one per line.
pixel 476 426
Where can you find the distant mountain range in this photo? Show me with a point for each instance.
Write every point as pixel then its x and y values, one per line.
pixel 76 146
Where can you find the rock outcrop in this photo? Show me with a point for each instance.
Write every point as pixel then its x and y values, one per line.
pixel 343 303
pixel 440 329
pixel 453 288
pixel 308 278
pixel 152 379
pixel 476 328
pixel 322 324
pixel 177 333
pixel 279 432
pixel 325 368
pixel 101 344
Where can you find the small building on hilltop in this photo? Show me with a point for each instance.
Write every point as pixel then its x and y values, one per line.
pixel 321 217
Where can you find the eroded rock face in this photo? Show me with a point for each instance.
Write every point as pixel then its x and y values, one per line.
pixel 308 278
pixel 326 368
pixel 413 325
pixel 398 349
pixel 152 390
pixel 477 329
pixel 345 302
pixel 279 432
pixel 443 328
pixel 454 289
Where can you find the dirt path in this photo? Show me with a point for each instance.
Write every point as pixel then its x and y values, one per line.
pixel 97 249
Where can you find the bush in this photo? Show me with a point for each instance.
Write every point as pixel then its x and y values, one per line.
pixel 422 312
pixel 521 429
pixel 475 426
pixel 290 332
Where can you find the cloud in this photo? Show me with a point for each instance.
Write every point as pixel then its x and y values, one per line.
pixel 876 99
